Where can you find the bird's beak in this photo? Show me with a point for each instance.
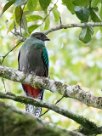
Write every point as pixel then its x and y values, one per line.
pixel 47 39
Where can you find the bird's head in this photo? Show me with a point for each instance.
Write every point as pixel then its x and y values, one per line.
pixel 40 36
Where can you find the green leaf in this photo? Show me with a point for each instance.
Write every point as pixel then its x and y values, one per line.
pixel 20 2
pixel 34 18
pixel 7 5
pixel 11 26
pixel 18 14
pixel 69 5
pixel 31 4
pixel 84 3
pixel 56 14
pixel 101 11
pixel 94 16
pixel 32 28
pixel 86 34
pixel 24 23
pixel 94 3
pixel 47 23
pixel 44 4
pixel 82 13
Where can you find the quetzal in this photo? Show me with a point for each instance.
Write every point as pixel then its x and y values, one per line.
pixel 33 58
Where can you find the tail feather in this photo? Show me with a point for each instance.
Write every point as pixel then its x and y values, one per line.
pixel 33 93
pixel 36 111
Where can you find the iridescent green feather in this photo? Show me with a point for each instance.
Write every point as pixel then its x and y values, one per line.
pixel 45 57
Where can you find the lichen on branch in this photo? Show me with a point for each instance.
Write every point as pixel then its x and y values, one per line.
pixel 75 91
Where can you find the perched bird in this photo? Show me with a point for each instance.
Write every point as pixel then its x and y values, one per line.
pixel 33 58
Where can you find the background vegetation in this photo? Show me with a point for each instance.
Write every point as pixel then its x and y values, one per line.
pixel 75 54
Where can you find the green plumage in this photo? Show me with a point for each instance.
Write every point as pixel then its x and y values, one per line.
pixel 45 57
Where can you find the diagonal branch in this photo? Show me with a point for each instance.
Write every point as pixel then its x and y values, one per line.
pixel 54 103
pixel 89 126
pixel 74 91
pixel 15 123
pixel 86 24
pixel 4 56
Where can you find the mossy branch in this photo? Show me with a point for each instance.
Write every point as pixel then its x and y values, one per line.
pixel 87 125
pixel 15 123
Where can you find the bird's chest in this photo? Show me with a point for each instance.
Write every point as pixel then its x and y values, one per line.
pixel 31 60
pixel 34 56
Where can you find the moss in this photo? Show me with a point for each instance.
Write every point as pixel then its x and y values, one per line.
pixel 13 123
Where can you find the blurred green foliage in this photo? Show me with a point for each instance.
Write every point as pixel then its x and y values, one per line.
pixel 71 61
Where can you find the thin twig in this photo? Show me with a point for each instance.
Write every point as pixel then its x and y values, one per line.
pixel 55 104
pixel 61 26
pixel 15 33
pixel 4 56
pixel 49 12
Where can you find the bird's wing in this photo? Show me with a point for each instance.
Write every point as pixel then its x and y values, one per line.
pixel 45 59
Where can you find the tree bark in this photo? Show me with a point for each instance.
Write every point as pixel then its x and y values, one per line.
pixel 75 91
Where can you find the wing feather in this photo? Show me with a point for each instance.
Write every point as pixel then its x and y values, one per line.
pixel 45 59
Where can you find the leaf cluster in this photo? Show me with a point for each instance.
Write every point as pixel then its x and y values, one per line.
pixel 29 15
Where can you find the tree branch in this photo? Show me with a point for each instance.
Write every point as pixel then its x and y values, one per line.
pixel 74 91
pixel 61 26
pixel 13 123
pixel 87 126
pixel 68 91
pixel 4 56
